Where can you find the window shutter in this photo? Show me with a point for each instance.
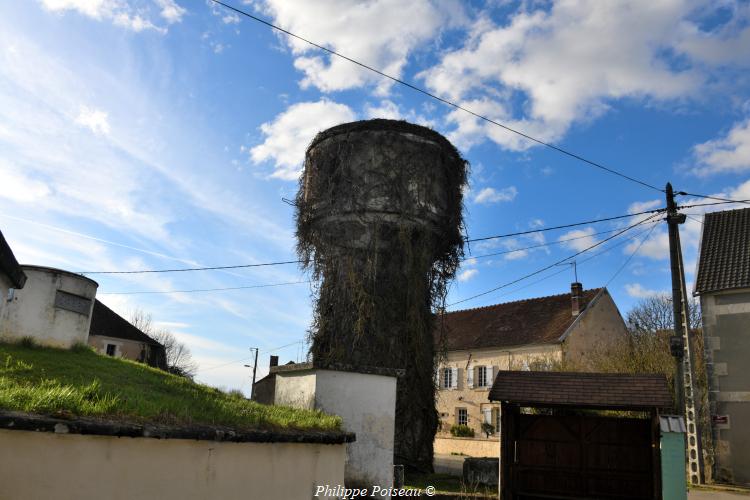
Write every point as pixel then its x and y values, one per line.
pixel 438 382
pixel 487 413
pixel 454 378
pixel 470 377
pixel 491 372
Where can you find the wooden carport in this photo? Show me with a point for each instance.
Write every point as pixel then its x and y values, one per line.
pixel 557 447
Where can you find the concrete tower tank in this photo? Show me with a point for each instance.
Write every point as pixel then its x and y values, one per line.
pixel 379 222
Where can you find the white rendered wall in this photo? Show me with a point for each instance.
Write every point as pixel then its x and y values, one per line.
pixel 295 389
pixel 367 405
pixel 33 312
pixel 43 465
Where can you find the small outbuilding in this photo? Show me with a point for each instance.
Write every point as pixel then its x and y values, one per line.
pixel 580 435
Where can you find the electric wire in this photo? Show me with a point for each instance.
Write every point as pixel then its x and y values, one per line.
pixel 587 259
pixel 728 200
pixel 486 238
pixel 538 271
pixel 267 285
pixel 186 269
pixel 565 226
pixel 208 368
pixel 546 244
pixel 438 98
pixel 630 257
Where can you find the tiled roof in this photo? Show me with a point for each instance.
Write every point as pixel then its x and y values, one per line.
pixel 107 323
pixel 540 320
pixel 582 390
pixel 9 265
pixel 725 251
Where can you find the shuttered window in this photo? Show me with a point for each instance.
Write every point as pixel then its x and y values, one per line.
pixel 462 416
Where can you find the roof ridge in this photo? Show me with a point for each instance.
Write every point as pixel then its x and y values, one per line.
pixel 721 212
pixel 529 299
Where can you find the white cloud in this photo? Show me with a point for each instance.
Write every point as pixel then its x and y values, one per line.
pixel 287 136
pixel 656 247
pixel 491 195
pixel 171 11
pixel 380 33
pixel 584 239
pixel 119 12
pixel 730 153
pixel 545 69
pixel 467 274
pixel 94 119
pixel 637 291
pixel 19 187
pixel 231 19
pixel 386 109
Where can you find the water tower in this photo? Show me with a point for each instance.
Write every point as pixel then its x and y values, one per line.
pixel 379 220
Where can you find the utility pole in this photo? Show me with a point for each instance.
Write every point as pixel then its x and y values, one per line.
pixel 255 367
pixel 680 341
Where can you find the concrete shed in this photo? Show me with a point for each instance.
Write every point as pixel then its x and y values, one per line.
pixel 53 308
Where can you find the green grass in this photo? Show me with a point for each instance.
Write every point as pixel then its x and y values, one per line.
pixel 446 484
pixel 80 382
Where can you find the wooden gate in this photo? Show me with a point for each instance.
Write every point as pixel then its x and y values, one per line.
pixel 579 457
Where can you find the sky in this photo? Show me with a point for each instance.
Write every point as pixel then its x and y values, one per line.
pixel 153 134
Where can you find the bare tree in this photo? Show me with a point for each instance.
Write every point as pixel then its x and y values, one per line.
pixel 179 358
pixel 654 314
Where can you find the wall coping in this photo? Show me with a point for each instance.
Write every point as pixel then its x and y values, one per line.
pixel 20 421
pixel 366 370
pixel 54 270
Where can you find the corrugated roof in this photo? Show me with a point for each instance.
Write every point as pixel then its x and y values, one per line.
pixel 582 390
pixel 541 320
pixel 106 322
pixel 724 261
pixel 9 265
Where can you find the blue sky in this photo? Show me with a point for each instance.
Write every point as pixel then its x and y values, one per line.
pixel 150 134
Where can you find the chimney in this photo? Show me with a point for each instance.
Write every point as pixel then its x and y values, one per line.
pixel 576 298
pixel 274 361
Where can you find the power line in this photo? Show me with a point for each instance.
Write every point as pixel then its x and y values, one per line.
pixel 710 204
pixel 587 259
pixel 565 226
pixel 627 261
pixel 245 359
pixel 553 264
pixel 728 200
pixel 286 262
pixel 540 245
pixel 444 101
pixel 141 292
pixel 185 269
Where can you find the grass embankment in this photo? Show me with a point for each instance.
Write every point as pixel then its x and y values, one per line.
pixel 80 382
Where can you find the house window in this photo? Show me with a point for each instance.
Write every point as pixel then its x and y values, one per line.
pixel 462 416
pixel 482 376
pixel 111 349
pixel 447 378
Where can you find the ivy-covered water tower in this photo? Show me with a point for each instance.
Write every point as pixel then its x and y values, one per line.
pixel 379 223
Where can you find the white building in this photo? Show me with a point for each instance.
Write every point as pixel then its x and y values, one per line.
pixel 53 308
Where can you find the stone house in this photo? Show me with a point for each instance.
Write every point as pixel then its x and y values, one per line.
pixel 528 334
pixel 723 284
pixel 113 335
